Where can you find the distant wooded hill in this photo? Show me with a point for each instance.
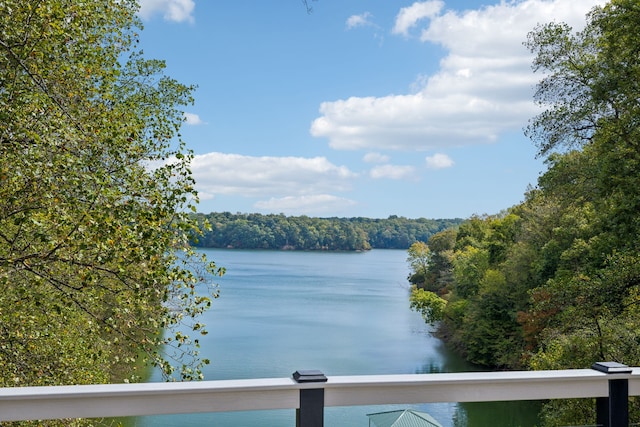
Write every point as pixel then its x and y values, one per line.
pixel 257 231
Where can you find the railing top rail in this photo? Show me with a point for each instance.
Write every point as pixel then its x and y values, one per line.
pixel 464 378
pixel 111 400
pixel 481 376
pixel 124 389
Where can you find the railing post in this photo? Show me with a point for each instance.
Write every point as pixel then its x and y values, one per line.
pixel 613 411
pixel 311 410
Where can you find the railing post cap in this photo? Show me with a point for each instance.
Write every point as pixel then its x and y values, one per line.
pixel 611 368
pixel 309 376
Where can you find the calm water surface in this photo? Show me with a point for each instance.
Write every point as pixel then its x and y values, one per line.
pixel 341 313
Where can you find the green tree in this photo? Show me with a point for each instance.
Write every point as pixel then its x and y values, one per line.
pixel 428 304
pixel 490 332
pixel 593 104
pixel 470 265
pixel 96 270
pixel 587 308
pixel 472 232
pixel 440 270
pixel 419 257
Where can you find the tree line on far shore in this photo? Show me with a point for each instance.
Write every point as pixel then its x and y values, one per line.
pixel 280 232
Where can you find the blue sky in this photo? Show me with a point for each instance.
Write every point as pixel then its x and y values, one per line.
pixel 361 108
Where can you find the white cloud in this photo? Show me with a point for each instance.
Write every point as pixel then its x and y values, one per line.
pixel 192 119
pixel 439 161
pixel 392 172
pixel 484 86
pixel 309 205
pixel 375 158
pixel 249 176
pixel 499 30
pixel 408 17
pixel 171 10
pixel 362 20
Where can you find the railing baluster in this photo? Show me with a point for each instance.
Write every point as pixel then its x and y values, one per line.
pixel 311 410
pixel 613 411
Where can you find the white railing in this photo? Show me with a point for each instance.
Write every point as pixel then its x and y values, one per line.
pixel 311 392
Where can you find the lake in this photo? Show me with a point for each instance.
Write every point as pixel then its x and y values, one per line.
pixel 342 313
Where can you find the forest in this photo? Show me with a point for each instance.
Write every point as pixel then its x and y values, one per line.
pixel 257 231
pixel 554 282
pixel 95 258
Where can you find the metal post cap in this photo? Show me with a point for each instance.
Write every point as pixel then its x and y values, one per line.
pixel 309 376
pixel 611 368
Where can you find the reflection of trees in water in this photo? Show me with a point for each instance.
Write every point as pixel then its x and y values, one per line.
pixel 497 414
pixel 460 417
pixel 481 414
pixel 433 367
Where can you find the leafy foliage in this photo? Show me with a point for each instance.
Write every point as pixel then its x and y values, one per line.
pixel 95 261
pixel 257 231
pixel 554 282
pixel 430 305
pixel 419 259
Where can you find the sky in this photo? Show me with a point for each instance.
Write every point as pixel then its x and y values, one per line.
pixel 364 108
